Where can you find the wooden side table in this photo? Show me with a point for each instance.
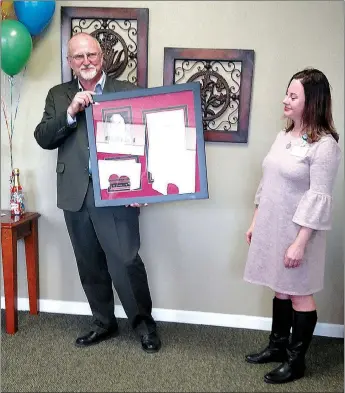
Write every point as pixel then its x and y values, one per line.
pixel 13 229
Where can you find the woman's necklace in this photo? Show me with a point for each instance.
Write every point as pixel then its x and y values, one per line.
pixel 304 143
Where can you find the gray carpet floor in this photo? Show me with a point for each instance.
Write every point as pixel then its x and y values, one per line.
pixel 41 356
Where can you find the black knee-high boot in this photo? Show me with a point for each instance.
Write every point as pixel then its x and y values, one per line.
pixel 280 333
pixel 304 323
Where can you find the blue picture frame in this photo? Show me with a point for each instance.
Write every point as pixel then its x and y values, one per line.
pixel 145 94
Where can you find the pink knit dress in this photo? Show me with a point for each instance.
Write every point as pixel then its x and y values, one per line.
pixel 295 190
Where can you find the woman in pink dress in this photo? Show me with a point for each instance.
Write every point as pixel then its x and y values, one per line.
pixel 287 236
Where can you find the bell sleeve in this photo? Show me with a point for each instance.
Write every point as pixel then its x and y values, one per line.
pixel 315 208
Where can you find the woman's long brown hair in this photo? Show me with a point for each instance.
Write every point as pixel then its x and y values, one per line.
pixel 317 117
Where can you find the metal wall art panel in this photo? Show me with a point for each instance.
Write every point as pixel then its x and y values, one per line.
pixel 226 78
pixel 122 34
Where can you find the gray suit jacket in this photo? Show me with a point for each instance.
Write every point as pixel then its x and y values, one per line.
pixel 72 142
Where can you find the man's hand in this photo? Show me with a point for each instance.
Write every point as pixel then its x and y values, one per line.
pixel 137 205
pixel 294 255
pixel 80 101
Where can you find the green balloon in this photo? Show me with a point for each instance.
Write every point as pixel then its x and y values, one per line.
pixel 16 46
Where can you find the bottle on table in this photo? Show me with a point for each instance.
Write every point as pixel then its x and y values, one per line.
pixel 17 197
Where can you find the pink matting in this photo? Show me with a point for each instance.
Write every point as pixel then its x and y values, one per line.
pixel 139 106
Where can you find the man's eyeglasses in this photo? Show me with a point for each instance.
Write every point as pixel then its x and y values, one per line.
pixel 81 57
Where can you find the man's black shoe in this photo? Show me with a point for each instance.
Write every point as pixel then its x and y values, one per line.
pixel 151 342
pixel 95 337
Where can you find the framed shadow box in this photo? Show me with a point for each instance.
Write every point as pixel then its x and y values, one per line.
pixel 147 146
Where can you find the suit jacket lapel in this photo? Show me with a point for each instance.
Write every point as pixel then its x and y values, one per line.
pixel 108 85
pixel 72 89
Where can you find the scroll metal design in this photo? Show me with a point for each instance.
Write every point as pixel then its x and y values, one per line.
pixel 220 90
pixel 118 40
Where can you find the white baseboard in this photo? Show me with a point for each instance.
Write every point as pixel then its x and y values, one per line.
pixel 179 316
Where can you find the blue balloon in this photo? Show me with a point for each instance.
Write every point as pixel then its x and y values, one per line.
pixel 35 15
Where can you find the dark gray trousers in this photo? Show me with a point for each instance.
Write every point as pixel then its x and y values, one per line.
pixel 106 246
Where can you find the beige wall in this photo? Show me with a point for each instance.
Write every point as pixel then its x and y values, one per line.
pixel 195 251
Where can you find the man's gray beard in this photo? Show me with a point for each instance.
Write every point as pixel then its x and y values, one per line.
pixel 88 74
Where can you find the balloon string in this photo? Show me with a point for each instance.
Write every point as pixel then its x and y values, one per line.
pixel 11 103
pixel 11 119
pixel 3 105
pixel 4 109
pixel 15 115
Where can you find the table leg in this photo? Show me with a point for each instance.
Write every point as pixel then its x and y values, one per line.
pixel 31 252
pixel 9 263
